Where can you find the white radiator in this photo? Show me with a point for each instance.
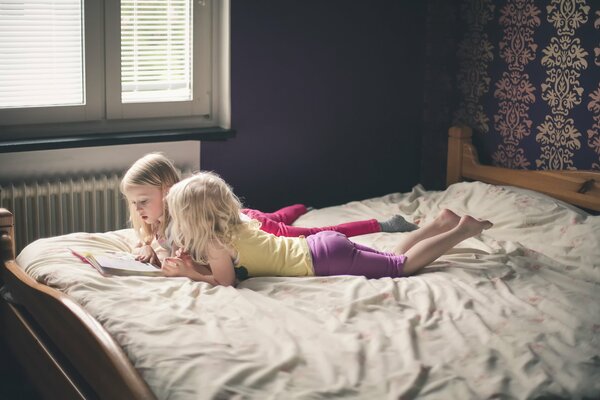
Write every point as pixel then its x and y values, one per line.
pixel 50 208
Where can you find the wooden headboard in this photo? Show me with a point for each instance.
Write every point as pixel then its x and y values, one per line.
pixel 580 188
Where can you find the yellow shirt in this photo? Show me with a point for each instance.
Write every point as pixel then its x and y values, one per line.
pixel 264 254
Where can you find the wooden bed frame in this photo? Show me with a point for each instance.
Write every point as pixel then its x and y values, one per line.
pixel 67 354
pixel 580 188
pixel 63 350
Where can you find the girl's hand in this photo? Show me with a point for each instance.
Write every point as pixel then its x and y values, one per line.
pixel 175 266
pixel 203 269
pixel 184 256
pixel 219 271
pixel 146 254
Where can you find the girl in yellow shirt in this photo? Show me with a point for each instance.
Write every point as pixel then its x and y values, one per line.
pixel 206 223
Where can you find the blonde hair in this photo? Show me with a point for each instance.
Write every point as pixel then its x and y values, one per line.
pixel 154 169
pixel 205 213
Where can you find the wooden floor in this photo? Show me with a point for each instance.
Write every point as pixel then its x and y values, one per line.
pixel 13 384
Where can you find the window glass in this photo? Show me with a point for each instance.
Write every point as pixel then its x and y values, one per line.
pixel 156 51
pixel 41 53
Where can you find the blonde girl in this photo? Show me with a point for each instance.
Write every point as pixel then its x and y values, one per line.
pixel 206 223
pixel 145 185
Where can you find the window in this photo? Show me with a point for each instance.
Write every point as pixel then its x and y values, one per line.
pixel 83 66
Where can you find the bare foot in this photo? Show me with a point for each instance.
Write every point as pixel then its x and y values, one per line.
pixel 446 219
pixel 473 226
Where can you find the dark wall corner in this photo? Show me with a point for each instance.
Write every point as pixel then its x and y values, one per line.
pixel 326 101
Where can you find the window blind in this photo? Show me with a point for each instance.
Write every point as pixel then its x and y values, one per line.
pixel 41 53
pixel 156 50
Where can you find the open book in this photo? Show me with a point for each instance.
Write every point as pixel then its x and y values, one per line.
pixel 121 263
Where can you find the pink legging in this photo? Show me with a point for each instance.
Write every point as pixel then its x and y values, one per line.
pixel 279 223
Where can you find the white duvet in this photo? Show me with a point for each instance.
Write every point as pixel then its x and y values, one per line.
pixel 512 313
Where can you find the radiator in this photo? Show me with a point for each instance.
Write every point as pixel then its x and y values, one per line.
pixel 50 208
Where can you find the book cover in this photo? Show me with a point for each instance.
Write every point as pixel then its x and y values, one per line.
pixel 116 263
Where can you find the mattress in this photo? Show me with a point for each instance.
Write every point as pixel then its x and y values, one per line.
pixel 512 313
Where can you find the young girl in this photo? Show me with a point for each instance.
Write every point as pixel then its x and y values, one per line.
pixel 148 180
pixel 206 223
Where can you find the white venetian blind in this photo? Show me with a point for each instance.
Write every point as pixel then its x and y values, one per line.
pixel 41 56
pixel 156 50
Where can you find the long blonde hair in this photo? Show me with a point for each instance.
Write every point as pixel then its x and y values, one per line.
pixel 205 212
pixel 153 169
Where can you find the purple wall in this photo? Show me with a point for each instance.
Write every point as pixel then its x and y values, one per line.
pixel 326 101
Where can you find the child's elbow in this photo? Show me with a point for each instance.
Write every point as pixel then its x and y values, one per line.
pixel 225 282
pixel 230 283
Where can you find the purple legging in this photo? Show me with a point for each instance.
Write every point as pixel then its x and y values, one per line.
pixel 334 254
pixel 278 223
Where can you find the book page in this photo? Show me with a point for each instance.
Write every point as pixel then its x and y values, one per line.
pixel 124 262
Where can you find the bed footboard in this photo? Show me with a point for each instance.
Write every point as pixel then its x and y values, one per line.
pixel 65 352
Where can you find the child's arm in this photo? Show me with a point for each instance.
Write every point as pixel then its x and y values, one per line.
pixel 175 266
pixel 146 253
pixel 221 266
pixel 203 269
pixel 221 270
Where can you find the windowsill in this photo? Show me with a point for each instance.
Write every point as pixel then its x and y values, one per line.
pixel 108 139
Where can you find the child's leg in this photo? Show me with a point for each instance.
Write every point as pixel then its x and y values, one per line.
pixel 348 229
pixel 356 228
pixel 286 215
pixel 429 249
pixel 333 254
pixel 445 221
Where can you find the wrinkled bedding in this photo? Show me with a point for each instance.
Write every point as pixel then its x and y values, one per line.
pixel 511 313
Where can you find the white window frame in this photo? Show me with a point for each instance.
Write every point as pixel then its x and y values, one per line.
pixel 92 110
pixel 104 112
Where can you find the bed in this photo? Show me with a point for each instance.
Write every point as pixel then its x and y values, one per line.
pixel 511 313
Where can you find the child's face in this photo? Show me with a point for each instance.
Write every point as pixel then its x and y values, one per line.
pixel 147 202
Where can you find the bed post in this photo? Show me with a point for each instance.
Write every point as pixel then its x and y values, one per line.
pixel 7 236
pixel 457 136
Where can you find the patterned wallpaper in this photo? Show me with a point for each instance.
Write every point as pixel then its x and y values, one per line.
pixel 528 81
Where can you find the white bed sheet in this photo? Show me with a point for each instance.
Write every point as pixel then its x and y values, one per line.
pixel 513 313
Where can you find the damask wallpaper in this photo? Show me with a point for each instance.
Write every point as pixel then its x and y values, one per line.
pixel 528 81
